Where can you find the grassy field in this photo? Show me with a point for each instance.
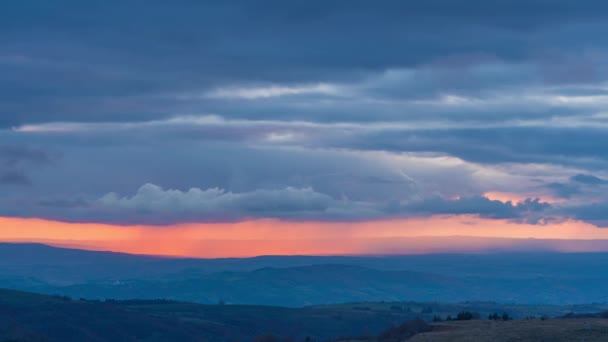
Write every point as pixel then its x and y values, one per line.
pixel 554 330
pixel 430 309
pixel 533 330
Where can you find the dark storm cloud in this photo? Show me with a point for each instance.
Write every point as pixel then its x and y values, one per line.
pixel 14 177
pixel 559 145
pixel 588 179
pixel 595 213
pixel 564 190
pixel 486 143
pixel 63 202
pixel 579 185
pixel 14 159
pixel 530 210
pixel 14 155
pixel 70 60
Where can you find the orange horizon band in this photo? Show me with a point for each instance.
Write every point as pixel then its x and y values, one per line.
pixel 434 234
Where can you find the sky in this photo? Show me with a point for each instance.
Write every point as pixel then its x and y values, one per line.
pixel 240 128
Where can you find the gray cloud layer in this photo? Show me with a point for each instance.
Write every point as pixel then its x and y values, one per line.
pixel 302 109
pixel 15 158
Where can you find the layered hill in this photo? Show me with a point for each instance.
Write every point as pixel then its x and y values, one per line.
pixel 548 278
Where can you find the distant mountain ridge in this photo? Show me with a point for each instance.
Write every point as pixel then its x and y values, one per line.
pixel 308 280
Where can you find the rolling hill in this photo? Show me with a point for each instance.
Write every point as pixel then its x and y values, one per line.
pixel 302 280
pixel 26 316
pixel 33 317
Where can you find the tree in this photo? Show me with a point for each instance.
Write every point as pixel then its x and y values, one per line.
pixel 467 316
pixel 266 338
pixel 404 331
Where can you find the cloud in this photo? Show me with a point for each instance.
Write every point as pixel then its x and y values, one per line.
pixel 153 198
pixel 153 204
pixel 564 190
pixel 253 93
pixel 473 141
pixel 579 185
pixel 14 177
pixel 529 210
pixel 398 108
pixel 215 203
pixel 12 155
pixel 121 64
pixel 588 179
pixel 595 213
pixel 15 158
pixel 547 145
pixel 63 202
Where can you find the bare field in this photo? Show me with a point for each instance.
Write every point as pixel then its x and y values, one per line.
pixel 570 330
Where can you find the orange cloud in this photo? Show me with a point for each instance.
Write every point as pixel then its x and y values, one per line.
pixel 277 237
pixel 517 198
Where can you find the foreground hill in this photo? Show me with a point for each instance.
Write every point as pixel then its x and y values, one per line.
pixel 430 310
pixel 551 278
pixel 529 330
pixel 27 316
pixel 555 330
pixel 32 317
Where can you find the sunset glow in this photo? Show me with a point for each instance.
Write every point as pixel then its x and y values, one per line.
pixel 516 198
pixel 276 237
